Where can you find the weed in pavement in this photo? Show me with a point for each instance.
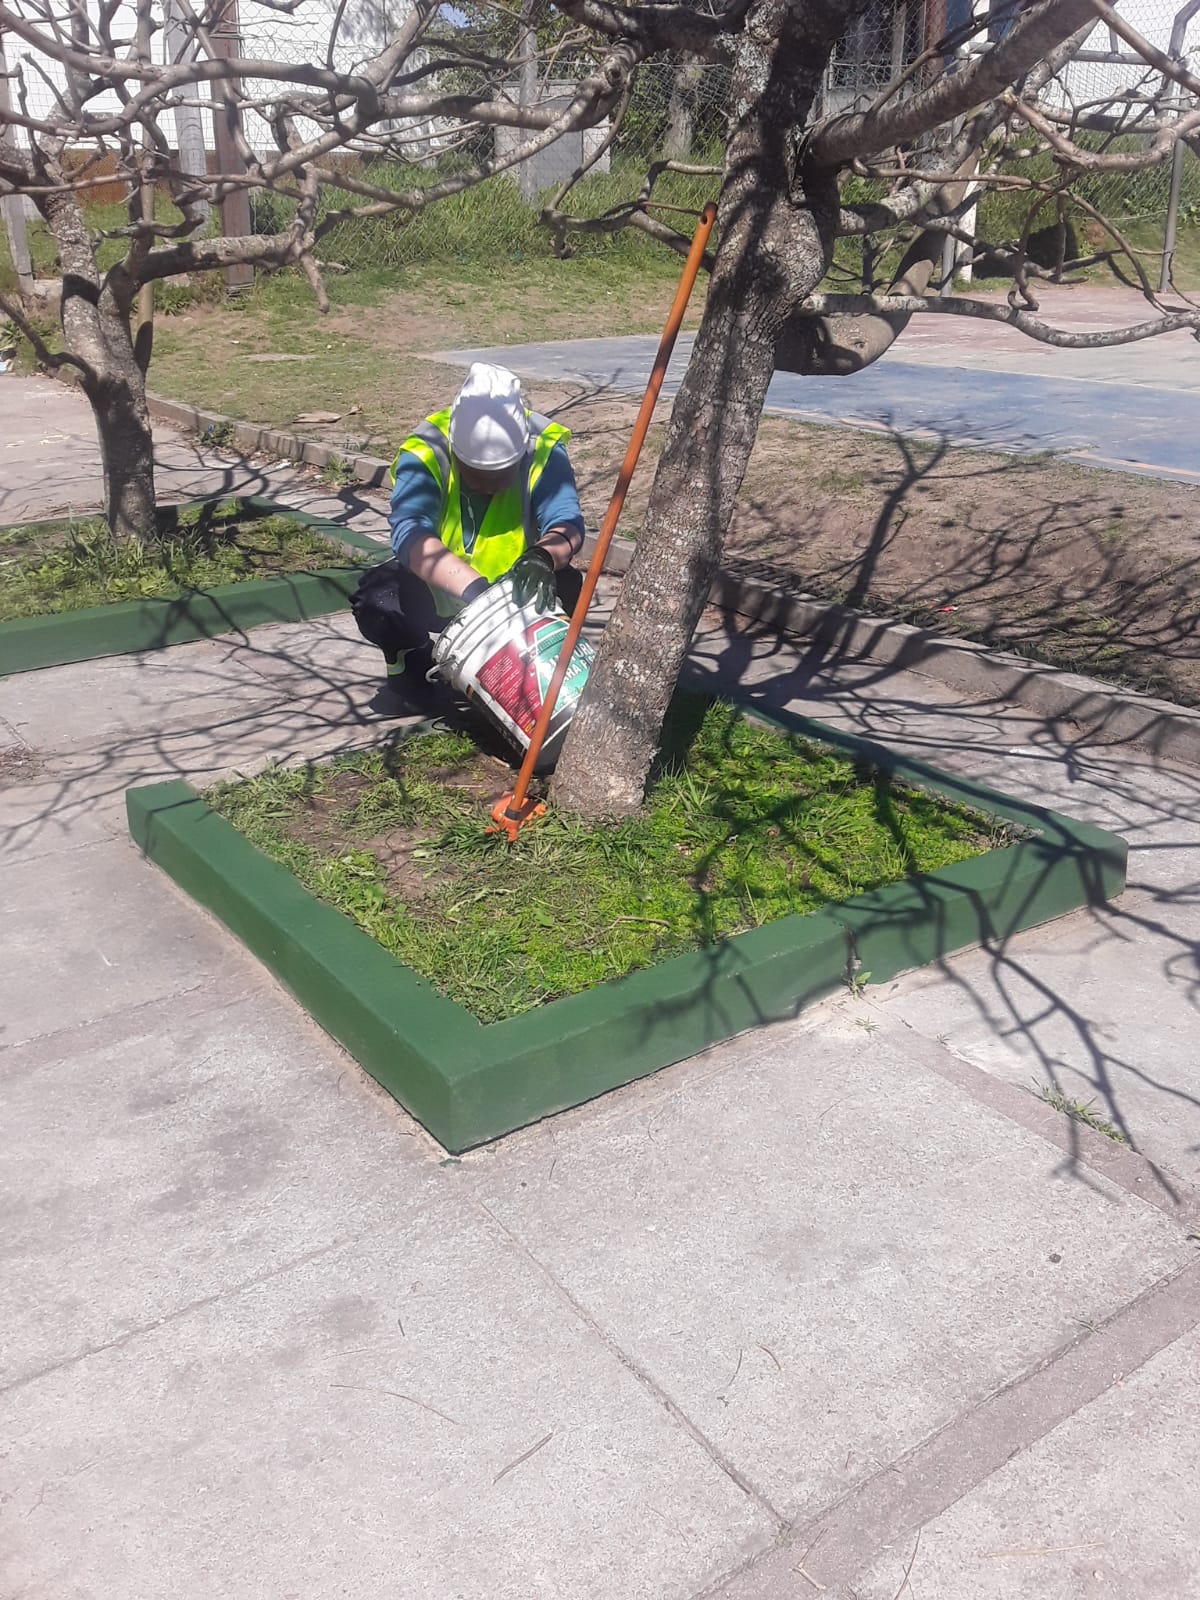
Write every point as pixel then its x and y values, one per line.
pixel 217 436
pixel 1081 1111
pixel 338 473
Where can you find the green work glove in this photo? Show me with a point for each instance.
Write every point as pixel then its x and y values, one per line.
pixel 533 579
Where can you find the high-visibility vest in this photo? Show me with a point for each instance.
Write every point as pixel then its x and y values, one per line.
pixel 508 526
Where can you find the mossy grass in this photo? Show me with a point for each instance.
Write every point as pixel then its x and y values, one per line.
pixel 744 824
pixel 49 568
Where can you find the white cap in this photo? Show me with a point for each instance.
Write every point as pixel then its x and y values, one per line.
pixel 488 425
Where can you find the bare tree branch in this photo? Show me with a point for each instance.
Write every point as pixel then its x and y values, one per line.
pixel 1073 155
pixel 661 27
pixel 53 359
pixel 820 305
pixel 1039 28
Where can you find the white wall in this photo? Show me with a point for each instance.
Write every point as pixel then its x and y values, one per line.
pixel 266 35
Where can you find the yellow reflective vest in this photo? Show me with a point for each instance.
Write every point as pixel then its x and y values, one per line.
pixel 509 525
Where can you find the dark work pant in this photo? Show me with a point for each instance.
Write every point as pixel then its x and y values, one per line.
pixel 396 611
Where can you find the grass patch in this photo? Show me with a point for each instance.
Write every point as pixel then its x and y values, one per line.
pixel 1081 1111
pixel 51 567
pixel 389 322
pixel 745 824
pixel 489 223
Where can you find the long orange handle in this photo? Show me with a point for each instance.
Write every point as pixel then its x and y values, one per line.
pixel 513 807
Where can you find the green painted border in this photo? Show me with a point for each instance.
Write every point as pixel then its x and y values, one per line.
pixel 468 1083
pixel 28 643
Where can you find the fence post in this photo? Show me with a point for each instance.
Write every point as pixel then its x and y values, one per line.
pixel 189 120
pixel 13 205
pixel 1172 223
pixel 1177 51
pixel 527 92
pixel 226 33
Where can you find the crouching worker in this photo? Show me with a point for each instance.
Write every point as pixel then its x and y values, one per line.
pixel 481 490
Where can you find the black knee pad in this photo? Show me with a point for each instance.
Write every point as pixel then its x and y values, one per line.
pixel 379 612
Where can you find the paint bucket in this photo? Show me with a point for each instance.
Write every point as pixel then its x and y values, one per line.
pixel 502 656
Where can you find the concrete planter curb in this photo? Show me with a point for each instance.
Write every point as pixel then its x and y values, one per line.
pixel 1106 715
pixel 28 643
pixel 254 440
pixel 469 1083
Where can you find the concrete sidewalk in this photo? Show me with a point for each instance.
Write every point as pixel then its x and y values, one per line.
pixel 841 1298
pixel 1133 408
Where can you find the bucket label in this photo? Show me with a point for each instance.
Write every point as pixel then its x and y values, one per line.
pixel 518 674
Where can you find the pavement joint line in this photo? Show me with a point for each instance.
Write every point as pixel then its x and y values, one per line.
pixel 660 1090
pixel 848 1535
pixel 1120 1164
pixel 641 1376
pixel 14 857
pixel 230 1290
pixel 126 1022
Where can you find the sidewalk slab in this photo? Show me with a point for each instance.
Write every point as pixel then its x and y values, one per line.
pixel 212 1141
pixel 1102 1508
pixel 696 1306
pixel 1063 1013
pixel 43 816
pixel 411 1413
pixel 821 1256
pixel 89 933
pixel 189 684
pixel 44 422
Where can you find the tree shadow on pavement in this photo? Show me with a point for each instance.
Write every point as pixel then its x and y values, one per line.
pixel 1097 1007
pixel 292 693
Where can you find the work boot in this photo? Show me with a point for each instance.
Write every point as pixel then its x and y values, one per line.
pixel 418 663
pixel 406 683
pixel 410 667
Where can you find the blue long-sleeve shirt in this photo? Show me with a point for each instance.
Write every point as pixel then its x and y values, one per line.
pixel 416 508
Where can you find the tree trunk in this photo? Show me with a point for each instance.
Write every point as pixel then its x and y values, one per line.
pixel 681 112
pixel 127 451
pixel 96 331
pixel 776 225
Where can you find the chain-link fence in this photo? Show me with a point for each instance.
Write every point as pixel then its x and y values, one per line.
pixel 676 110
pixel 1121 82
